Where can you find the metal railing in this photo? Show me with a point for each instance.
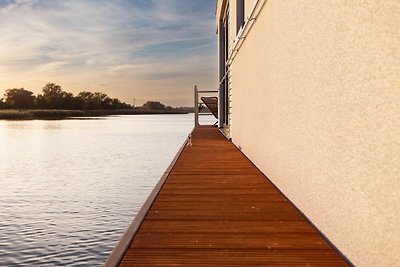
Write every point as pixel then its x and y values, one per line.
pixel 197 103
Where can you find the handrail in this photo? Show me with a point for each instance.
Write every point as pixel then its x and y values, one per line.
pixel 241 36
pixel 214 91
pixel 246 29
pixel 223 78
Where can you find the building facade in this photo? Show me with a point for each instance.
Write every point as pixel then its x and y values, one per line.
pixel 310 92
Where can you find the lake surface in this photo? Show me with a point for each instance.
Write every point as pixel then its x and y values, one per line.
pixel 69 188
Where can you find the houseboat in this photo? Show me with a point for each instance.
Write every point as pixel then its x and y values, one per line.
pixel 303 166
pixel 310 93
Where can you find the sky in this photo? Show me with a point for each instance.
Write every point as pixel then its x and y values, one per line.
pixel 129 49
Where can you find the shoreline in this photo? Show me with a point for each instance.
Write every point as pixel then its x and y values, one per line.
pixel 48 114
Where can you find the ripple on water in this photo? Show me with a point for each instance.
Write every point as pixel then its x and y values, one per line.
pixel 68 192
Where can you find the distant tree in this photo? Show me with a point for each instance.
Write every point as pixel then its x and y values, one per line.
pixel 117 104
pixel 55 98
pixel 104 100
pixel 19 98
pixel 78 103
pixel 86 99
pixel 107 103
pixel 100 100
pixel 52 89
pixel 95 100
pixel 68 101
pixel 153 105
pixel 40 102
pixel 2 104
pixel 51 96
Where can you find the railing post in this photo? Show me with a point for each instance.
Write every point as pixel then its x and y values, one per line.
pixel 196 107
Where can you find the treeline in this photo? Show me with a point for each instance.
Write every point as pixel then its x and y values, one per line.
pixel 53 97
pixel 158 106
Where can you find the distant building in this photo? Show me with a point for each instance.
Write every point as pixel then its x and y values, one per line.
pixel 310 92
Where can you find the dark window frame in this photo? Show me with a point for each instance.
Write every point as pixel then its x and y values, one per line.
pixel 240 15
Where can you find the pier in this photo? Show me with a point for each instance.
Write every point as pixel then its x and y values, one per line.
pixel 213 207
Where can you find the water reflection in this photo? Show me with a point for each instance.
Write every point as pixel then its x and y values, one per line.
pixel 52 125
pixel 69 188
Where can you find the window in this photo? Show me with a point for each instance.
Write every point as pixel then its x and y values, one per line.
pixel 239 15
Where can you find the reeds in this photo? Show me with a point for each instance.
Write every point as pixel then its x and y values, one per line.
pixel 15 115
pixel 30 114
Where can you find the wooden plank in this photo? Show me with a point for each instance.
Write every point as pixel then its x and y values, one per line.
pixel 224 226
pixel 216 214
pixel 213 185
pixel 219 198
pixel 227 258
pixel 256 205
pixel 217 191
pixel 245 180
pixel 296 241
pixel 217 209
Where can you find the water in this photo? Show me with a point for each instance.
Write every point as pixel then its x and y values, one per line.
pixel 69 188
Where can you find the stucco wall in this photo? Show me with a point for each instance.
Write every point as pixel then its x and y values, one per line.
pixel 248 6
pixel 316 106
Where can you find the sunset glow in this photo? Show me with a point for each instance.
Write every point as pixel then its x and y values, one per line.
pixel 142 49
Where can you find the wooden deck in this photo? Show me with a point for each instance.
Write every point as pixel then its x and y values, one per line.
pixel 217 209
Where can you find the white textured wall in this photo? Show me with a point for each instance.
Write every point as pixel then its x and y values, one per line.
pixel 316 106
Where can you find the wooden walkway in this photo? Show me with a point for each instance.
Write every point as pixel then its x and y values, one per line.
pixel 217 209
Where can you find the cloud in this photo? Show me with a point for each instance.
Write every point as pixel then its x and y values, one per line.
pixel 163 43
